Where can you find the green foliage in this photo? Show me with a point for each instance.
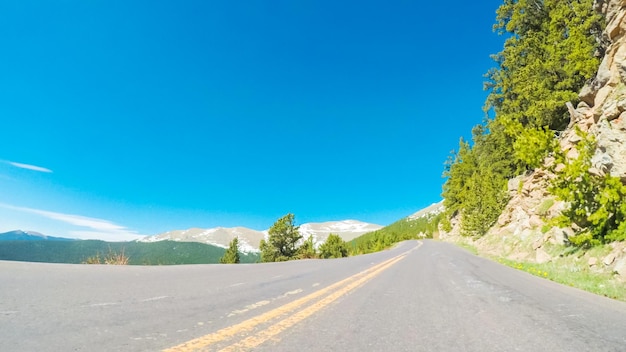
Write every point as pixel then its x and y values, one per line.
pixel 533 145
pixel 402 230
pixel 547 57
pixel 459 168
pixel 231 256
pixel 477 179
pixel 597 204
pixel 546 60
pixel 334 247
pixel 307 249
pixel 268 252
pixel 138 253
pixel 282 243
pixel 570 270
pixel 483 209
pixel 446 225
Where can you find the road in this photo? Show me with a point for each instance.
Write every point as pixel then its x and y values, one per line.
pixel 419 296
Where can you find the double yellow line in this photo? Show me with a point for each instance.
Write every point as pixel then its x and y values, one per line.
pixel 325 296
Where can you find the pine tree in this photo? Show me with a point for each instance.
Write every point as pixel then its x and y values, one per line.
pixel 547 58
pixel 282 241
pixel 307 249
pixel 231 256
pixel 334 247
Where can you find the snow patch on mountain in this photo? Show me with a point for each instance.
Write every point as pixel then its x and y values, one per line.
pixel 346 229
pixel 249 239
pixel 219 237
pixel 432 209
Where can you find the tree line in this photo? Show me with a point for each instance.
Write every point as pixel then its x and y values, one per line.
pixel 401 230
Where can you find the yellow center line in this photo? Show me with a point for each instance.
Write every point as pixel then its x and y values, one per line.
pixel 262 336
pixel 251 323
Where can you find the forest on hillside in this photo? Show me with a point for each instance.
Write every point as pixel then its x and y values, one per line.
pixel 134 253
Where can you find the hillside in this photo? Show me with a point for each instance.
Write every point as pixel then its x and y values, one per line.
pixel 76 252
pixel 544 183
pixel 19 235
pixel 422 224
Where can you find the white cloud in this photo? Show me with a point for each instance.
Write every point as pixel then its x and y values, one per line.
pixel 29 167
pixel 90 228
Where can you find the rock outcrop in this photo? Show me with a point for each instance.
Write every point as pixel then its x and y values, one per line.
pixel 522 232
pixel 602 110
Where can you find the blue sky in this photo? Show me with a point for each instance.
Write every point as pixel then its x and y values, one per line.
pixel 129 118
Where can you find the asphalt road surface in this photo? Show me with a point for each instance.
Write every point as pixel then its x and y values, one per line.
pixel 419 296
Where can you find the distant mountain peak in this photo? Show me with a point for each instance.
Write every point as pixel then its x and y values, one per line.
pixel 432 209
pixel 249 239
pixel 21 235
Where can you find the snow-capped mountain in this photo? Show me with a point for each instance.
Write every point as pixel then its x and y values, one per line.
pixel 346 229
pixel 219 236
pixel 249 239
pixel 19 235
pixel 432 209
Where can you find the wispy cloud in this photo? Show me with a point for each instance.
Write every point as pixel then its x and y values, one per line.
pixel 89 228
pixel 29 167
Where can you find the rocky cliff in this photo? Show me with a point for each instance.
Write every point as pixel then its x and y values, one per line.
pixel 522 232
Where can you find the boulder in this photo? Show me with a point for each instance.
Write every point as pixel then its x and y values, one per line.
pixel 514 184
pixel 609 259
pixel 538 243
pixel 592 261
pixel 602 161
pixel 542 256
pixel 620 268
pixel 574 138
pixel 611 153
pixel 611 110
pixel 535 221
pixel 526 233
pixel 572 154
pixel 551 235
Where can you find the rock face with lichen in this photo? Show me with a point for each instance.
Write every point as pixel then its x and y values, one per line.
pixel 522 232
pixel 602 110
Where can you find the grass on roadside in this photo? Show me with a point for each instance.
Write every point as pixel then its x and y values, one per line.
pixel 575 274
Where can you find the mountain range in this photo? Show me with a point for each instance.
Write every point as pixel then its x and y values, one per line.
pixel 19 235
pixel 249 239
pixel 432 209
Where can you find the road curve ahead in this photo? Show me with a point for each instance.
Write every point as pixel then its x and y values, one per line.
pixel 419 296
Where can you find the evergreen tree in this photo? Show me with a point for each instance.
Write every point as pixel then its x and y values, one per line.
pixel 231 256
pixel 458 170
pixel 334 247
pixel 547 58
pixel 268 253
pixel 282 241
pixel 477 179
pixel 307 249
